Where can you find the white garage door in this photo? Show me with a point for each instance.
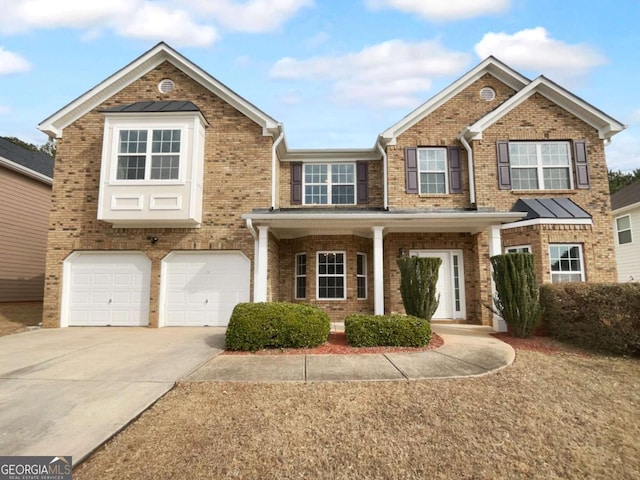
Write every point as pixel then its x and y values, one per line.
pixel 108 289
pixel 203 288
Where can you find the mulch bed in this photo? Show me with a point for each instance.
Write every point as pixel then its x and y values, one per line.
pixel 337 345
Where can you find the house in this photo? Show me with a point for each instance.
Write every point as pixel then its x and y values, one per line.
pixel 625 208
pixel 25 201
pixel 175 198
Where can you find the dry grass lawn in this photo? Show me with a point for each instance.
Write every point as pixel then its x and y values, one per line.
pixel 17 316
pixel 563 416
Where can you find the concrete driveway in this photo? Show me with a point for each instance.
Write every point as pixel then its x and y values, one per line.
pixel 65 391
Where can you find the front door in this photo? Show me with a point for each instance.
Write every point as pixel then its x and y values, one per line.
pixel 450 283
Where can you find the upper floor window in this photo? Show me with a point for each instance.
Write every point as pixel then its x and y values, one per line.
pixel 149 154
pixel 329 184
pixel 540 165
pixel 432 168
pixel 623 229
pixel 566 263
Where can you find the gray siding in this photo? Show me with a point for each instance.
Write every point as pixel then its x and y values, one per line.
pixel 24 223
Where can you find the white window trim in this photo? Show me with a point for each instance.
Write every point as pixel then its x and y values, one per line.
pixel 330 184
pixel 519 247
pixel 296 276
pixel 540 167
pixel 445 171
pixel 344 275
pixel 569 245
pixel 363 275
pixel 618 231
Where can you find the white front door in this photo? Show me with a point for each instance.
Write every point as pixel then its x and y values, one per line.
pixel 203 288
pixel 450 284
pixel 106 289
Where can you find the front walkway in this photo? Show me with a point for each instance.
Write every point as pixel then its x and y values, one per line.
pixel 468 351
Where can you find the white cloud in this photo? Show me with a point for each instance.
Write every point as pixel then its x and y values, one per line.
pixel 534 49
pixel 252 15
pixel 386 74
pixel 12 62
pixel 624 152
pixel 4 109
pixel 129 18
pixel 443 10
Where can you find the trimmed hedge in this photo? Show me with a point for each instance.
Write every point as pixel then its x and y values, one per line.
pixel 599 317
pixel 254 326
pixel 386 330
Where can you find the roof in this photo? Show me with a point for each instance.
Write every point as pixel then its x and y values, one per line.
pixel 35 164
pixel 607 126
pixel 490 65
pixel 560 208
pixel 55 124
pixel 154 107
pixel 626 196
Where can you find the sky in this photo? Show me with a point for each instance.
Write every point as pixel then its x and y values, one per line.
pixel 336 73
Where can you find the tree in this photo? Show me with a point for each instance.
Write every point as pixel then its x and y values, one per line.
pixel 46 148
pixel 418 277
pixel 619 180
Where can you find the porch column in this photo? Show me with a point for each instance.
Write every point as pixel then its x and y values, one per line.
pixel 495 248
pixel 378 272
pixel 261 265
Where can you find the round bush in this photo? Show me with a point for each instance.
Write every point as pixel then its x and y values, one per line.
pixel 387 330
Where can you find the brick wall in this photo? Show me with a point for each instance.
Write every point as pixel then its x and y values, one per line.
pixel 235 150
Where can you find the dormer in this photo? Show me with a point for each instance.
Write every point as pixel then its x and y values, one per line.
pixel 152 165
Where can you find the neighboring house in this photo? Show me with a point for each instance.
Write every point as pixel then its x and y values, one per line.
pixel 25 201
pixel 625 208
pixel 175 199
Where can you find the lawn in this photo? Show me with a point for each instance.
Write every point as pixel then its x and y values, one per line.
pixel 561 415
pixel 17 316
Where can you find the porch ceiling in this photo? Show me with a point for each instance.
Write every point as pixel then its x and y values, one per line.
pixel 295 224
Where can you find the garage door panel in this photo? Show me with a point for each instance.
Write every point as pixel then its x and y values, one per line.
pixel 109 289
pixel 203 288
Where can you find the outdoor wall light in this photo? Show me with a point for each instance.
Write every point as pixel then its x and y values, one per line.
pixel 402 252
pixel 152 239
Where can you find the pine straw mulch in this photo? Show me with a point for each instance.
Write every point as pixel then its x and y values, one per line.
pixel 337 345
pixel 547 416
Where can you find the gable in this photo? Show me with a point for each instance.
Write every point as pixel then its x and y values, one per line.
pixel 158 55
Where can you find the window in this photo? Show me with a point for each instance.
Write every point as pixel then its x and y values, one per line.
pixel 456 281
pixel 566 263
pixel 623 227
pixel 141 159
pixel 301 275
pixel 432 170
pixel 540 165
pixel 518 249
pixel 331 276
pixel 361 275
pixel 329 184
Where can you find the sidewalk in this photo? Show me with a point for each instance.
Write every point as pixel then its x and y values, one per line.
pixel 468 351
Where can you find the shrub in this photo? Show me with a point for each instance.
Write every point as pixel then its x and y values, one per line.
pixel 517 292
pixel 279 325
pixel 387 330
pixel 418 278
pixel 599 317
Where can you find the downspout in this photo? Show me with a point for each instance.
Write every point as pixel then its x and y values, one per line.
pixel 472 181
pixel 274 159
pixel 384 175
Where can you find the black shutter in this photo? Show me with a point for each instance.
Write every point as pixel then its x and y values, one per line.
pixel 411 166
pixel 296 183
pixel 504 169
pixel 455 170
pixel 362 180
pixel 582 171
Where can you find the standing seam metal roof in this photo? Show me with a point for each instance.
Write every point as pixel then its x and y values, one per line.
pixel 549 208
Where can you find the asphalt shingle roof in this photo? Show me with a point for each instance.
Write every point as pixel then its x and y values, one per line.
pixel 36 161
pixel 626 196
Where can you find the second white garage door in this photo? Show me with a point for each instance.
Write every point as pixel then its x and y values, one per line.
pixel 203 288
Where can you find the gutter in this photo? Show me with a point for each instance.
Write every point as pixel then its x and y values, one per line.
pixel 472 180
pixel 274 159
pixel 384 175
